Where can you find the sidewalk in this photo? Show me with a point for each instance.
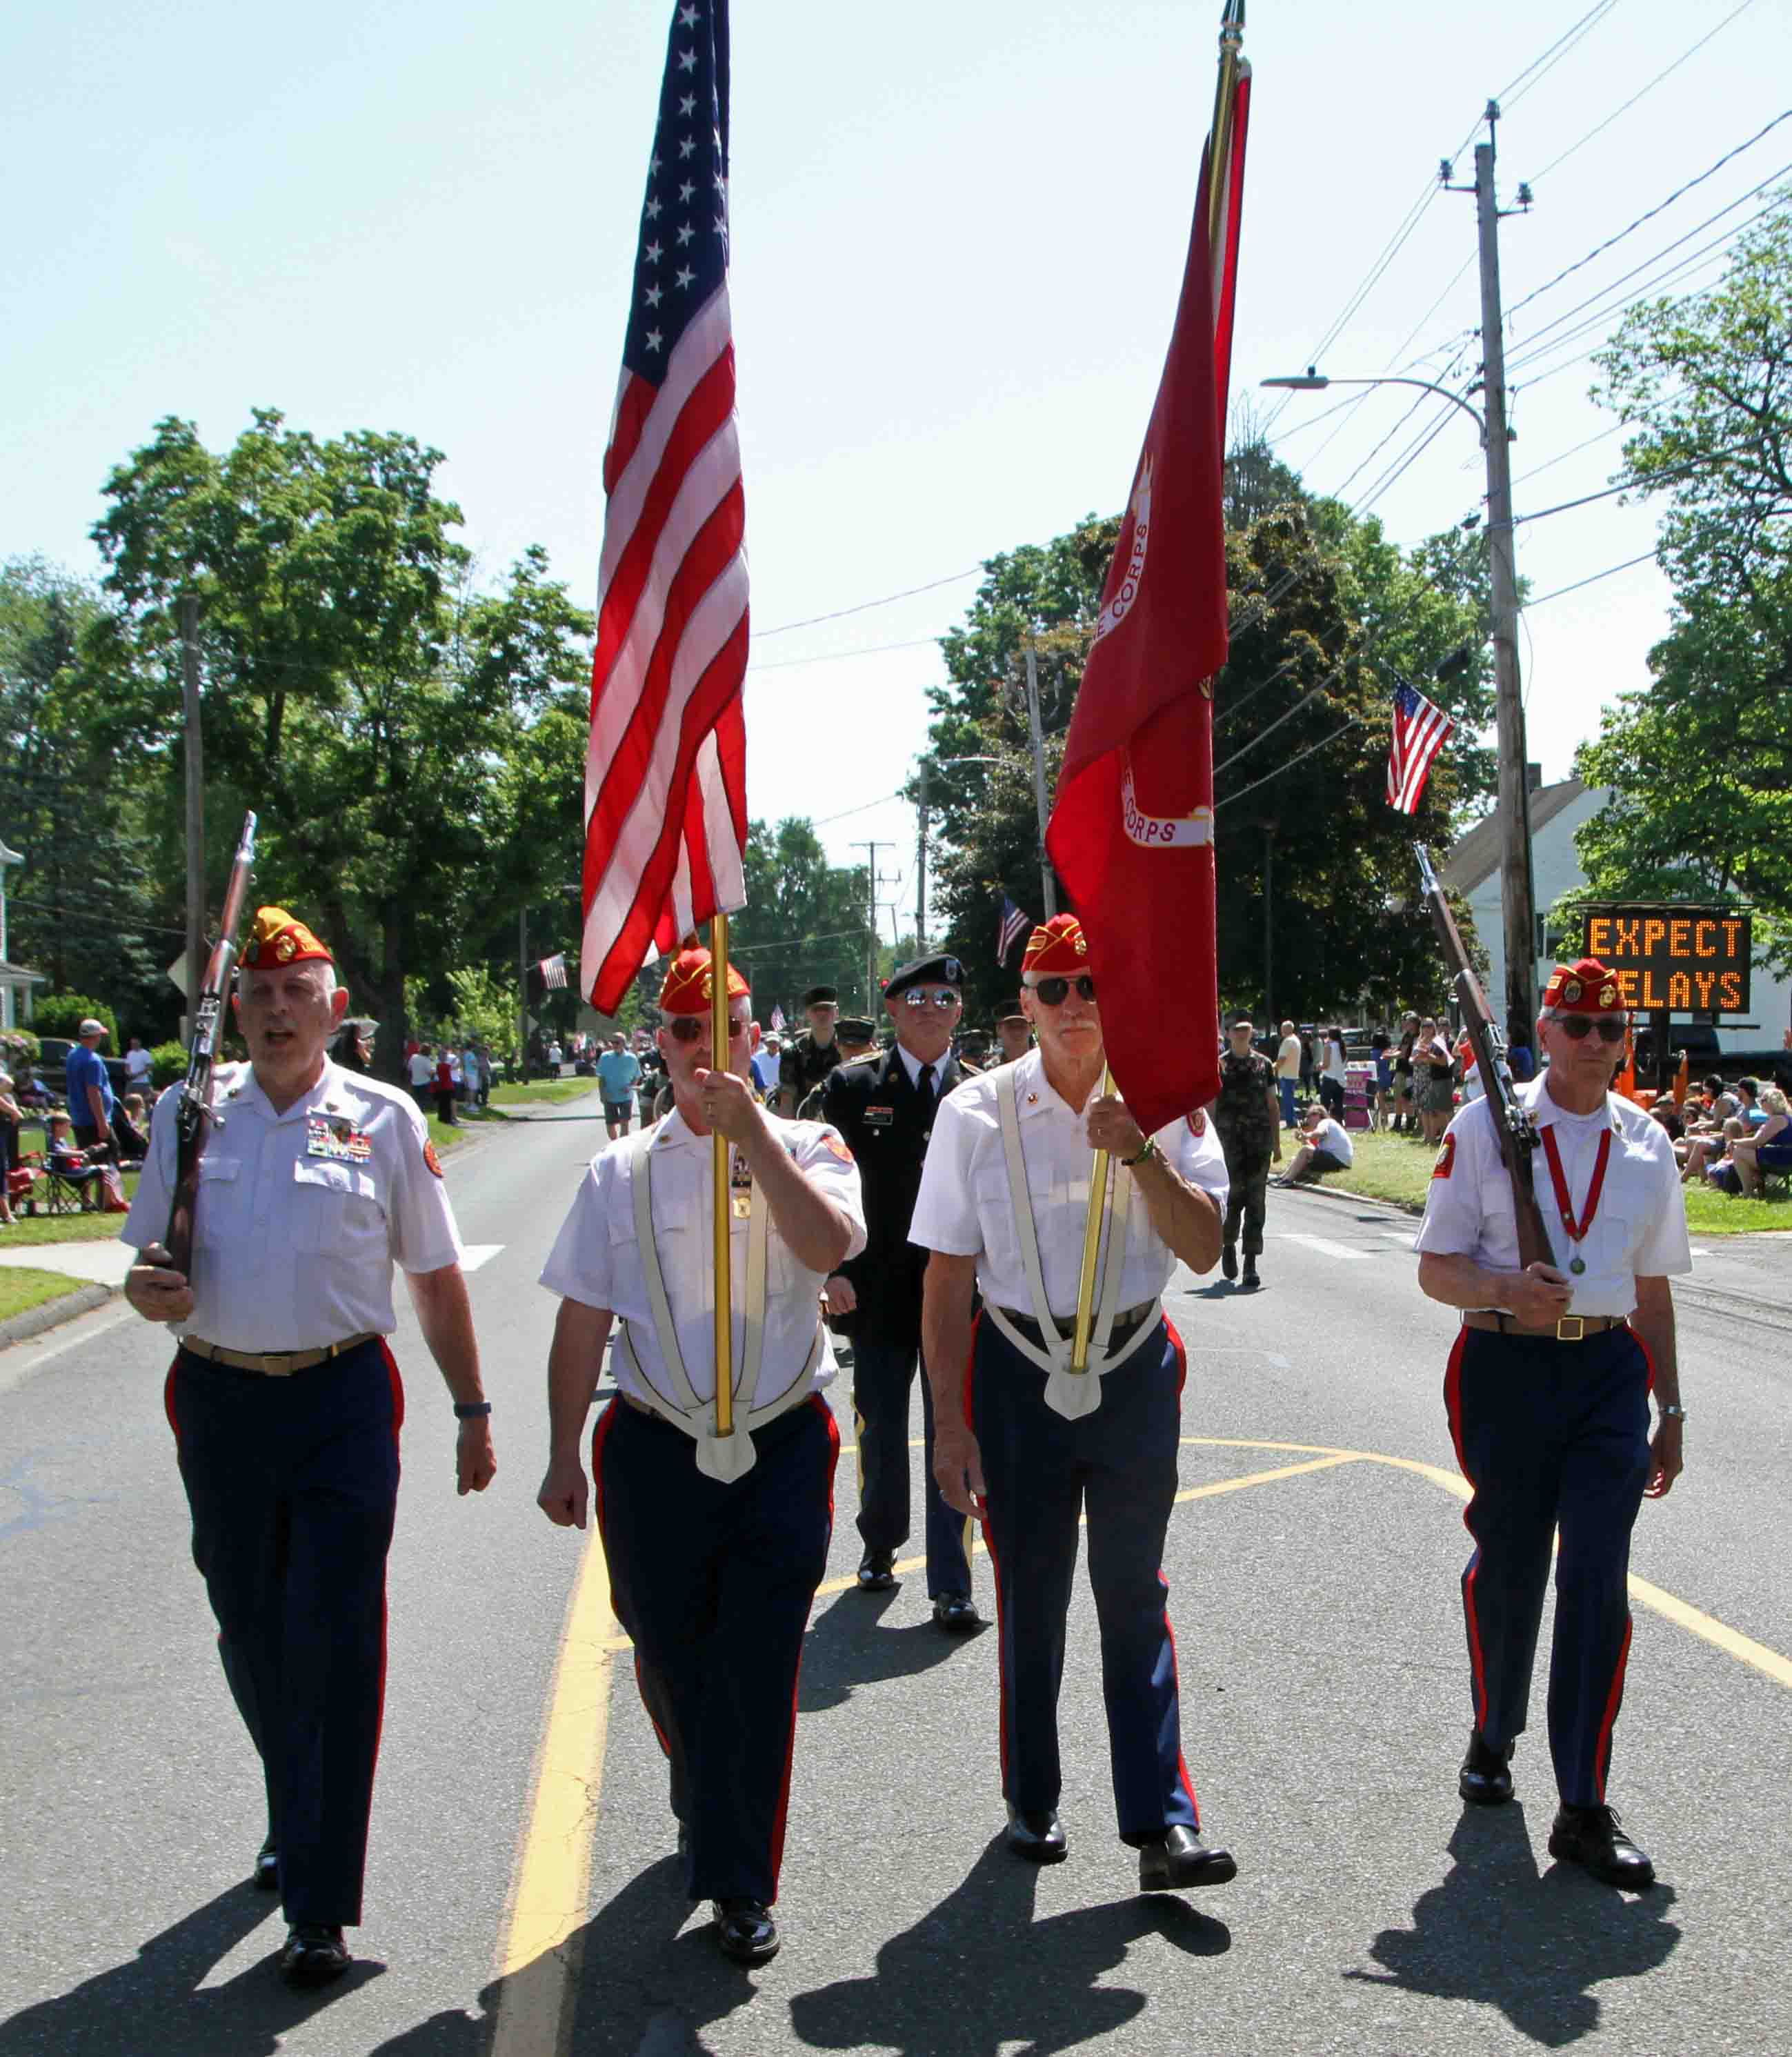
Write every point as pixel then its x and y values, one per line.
pixel 102 1263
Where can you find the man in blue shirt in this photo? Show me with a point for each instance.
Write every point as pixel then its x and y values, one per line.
pixel 89 1089
pixel 617 1070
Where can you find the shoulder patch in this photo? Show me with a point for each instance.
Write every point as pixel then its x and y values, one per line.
pixel 1446 1160
pixel 837 1146
pixel 431 1160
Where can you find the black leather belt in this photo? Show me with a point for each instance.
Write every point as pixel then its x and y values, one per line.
pixel 1126 1322
pixel 1570 1329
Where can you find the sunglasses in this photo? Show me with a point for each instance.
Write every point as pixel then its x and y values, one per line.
pixel 917 996
pixel 693 1028
pixel 1055 992
pixel 1577 1028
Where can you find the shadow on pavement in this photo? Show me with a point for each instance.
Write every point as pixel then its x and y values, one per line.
pixel 1495 1933
pixel 847 1647
pixel 150 2006
pixel 978 1975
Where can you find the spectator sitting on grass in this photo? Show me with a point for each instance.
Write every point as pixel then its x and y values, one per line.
pixel 1324 1146
pixel 1733 1114
pixel 1767 1148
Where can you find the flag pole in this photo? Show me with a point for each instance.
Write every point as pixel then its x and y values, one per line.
pixel 719 1049
pixel 1091 1248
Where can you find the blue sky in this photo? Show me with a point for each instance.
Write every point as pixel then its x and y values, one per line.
pixel 957 236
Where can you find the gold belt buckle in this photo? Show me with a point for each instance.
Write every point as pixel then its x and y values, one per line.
pixel 1571 1329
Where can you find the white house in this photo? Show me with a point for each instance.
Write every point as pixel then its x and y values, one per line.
pixel 1472 870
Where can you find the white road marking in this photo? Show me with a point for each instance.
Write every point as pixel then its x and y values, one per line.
pixel 1403 1236
pixel 473 1254
pixel 1324 1245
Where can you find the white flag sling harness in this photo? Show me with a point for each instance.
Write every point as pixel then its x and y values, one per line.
pixel 697 1418
pixel 1072 1393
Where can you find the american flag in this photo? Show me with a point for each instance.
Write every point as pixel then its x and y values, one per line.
pixel 1014 926
pixel 777 1019
pixel 1420 731
pixel 665 775
pixel 553 971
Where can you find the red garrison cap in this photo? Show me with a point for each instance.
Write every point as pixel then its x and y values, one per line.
pixel 1585 988
pixel 280 938
pixel 1058 948
pixel 689 989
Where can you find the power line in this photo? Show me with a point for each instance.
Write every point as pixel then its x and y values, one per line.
pixel 864 807
pixel 838 657
pixel 1678 193
pixel 1535 72
pixel 1599 128
pixel 1574 449
pixel 1355 721
pixel 864 606
pixel 1611 571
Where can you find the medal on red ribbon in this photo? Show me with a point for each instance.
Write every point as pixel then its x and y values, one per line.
pixel 1558 1178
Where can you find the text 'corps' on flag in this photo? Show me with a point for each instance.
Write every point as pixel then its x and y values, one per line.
pixel 1420 731
pixel 1131 833
pixel 665 778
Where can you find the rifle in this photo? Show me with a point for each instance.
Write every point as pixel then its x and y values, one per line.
pixel 1512 1127
pixel 194 1118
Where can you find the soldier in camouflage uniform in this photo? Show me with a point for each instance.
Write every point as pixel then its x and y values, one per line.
pixel 808 1058
pixel 1248 1116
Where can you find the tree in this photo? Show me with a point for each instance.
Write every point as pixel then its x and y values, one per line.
pixel 360 695
pixel 1325 614
pixel 804 922
pixel 1700 760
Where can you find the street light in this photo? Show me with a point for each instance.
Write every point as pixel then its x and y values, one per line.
pixel 1517 887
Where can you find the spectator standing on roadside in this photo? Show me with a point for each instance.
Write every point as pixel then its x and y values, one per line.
pixel 1434 1071
pixel 1405 1100
pixel 423 1074
pixel 469 1072
pixel 766 1061
pixel 89 1090
pixel 445 1089
pixel 1308 1068
pixel 11 1116
pixel 138 1065
pixel 1333 1075
pixel 1288 1071
pixel 617 1070
pixel 1381 1049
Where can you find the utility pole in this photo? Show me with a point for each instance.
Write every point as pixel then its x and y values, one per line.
pixel 872 850
pixel 1048 886
pixel 522 990
pixel 920 861
pixel 1269 925
pixel 195 742
pixel 1518 894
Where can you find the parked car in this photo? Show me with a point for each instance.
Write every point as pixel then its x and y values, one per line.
pixel 53 1066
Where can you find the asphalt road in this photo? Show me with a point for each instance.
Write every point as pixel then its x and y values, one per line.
pixel 1313 1588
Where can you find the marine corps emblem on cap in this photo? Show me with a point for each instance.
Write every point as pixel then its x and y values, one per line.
pixel 690 986
pixel 1571 992
pixel 1586 987
pixel 281 938
pixel 1608 996
pixel 1057 946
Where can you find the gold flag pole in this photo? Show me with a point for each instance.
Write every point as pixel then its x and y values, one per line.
pixel 1091 1247
pixel 719 1049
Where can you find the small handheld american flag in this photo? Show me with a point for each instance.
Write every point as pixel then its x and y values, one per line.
pixel 1420 731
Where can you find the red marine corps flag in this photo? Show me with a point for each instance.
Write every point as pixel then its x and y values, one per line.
pixel 665 773
pixel 1131 834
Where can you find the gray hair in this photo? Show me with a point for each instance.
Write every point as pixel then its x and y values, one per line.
pixel 324 971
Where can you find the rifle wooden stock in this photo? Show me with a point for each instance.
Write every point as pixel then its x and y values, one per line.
pixel 193 1119
pixel 1512 1127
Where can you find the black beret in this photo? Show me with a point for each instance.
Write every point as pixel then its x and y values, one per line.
pixel 855 1029
pixel 821 996
pixel 941 970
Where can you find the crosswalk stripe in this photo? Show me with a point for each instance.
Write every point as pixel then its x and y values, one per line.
pixel 1324 1245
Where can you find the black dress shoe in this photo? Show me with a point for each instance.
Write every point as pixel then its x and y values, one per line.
pixel 876 1570
pixel 1179 1858
pixel 313 1955
pixel 1250 1281
pixel 956 1613
pixel 1039 1838
pixel 1485 1778
pixel 1590 1837
pixel 1229 1260
pixel 745 1930
pixel 266 1876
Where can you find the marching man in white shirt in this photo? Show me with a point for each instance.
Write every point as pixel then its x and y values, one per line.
pixel 1548 1392
pixel 712 1575
pixel 1030 1444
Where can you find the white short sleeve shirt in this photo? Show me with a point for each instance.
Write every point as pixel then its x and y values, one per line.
pixel 1639 1229
pixel 964 1208
pixel 301 1215
pixel 596 1260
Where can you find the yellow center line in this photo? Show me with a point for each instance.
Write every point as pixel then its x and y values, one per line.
pixel 538 1957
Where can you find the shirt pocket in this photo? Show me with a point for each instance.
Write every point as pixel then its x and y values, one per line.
pixel 213 1208
pixel 338 1210
pixel 995 1221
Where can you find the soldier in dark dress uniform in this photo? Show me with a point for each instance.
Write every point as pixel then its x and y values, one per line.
pixel 884 1108
pixel 1248 1116
pixel 807 1060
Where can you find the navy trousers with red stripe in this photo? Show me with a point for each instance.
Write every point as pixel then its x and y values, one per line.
pixel 1553 1437
pixel 1118 1465
pixel 714 1582
pixel 292 1483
